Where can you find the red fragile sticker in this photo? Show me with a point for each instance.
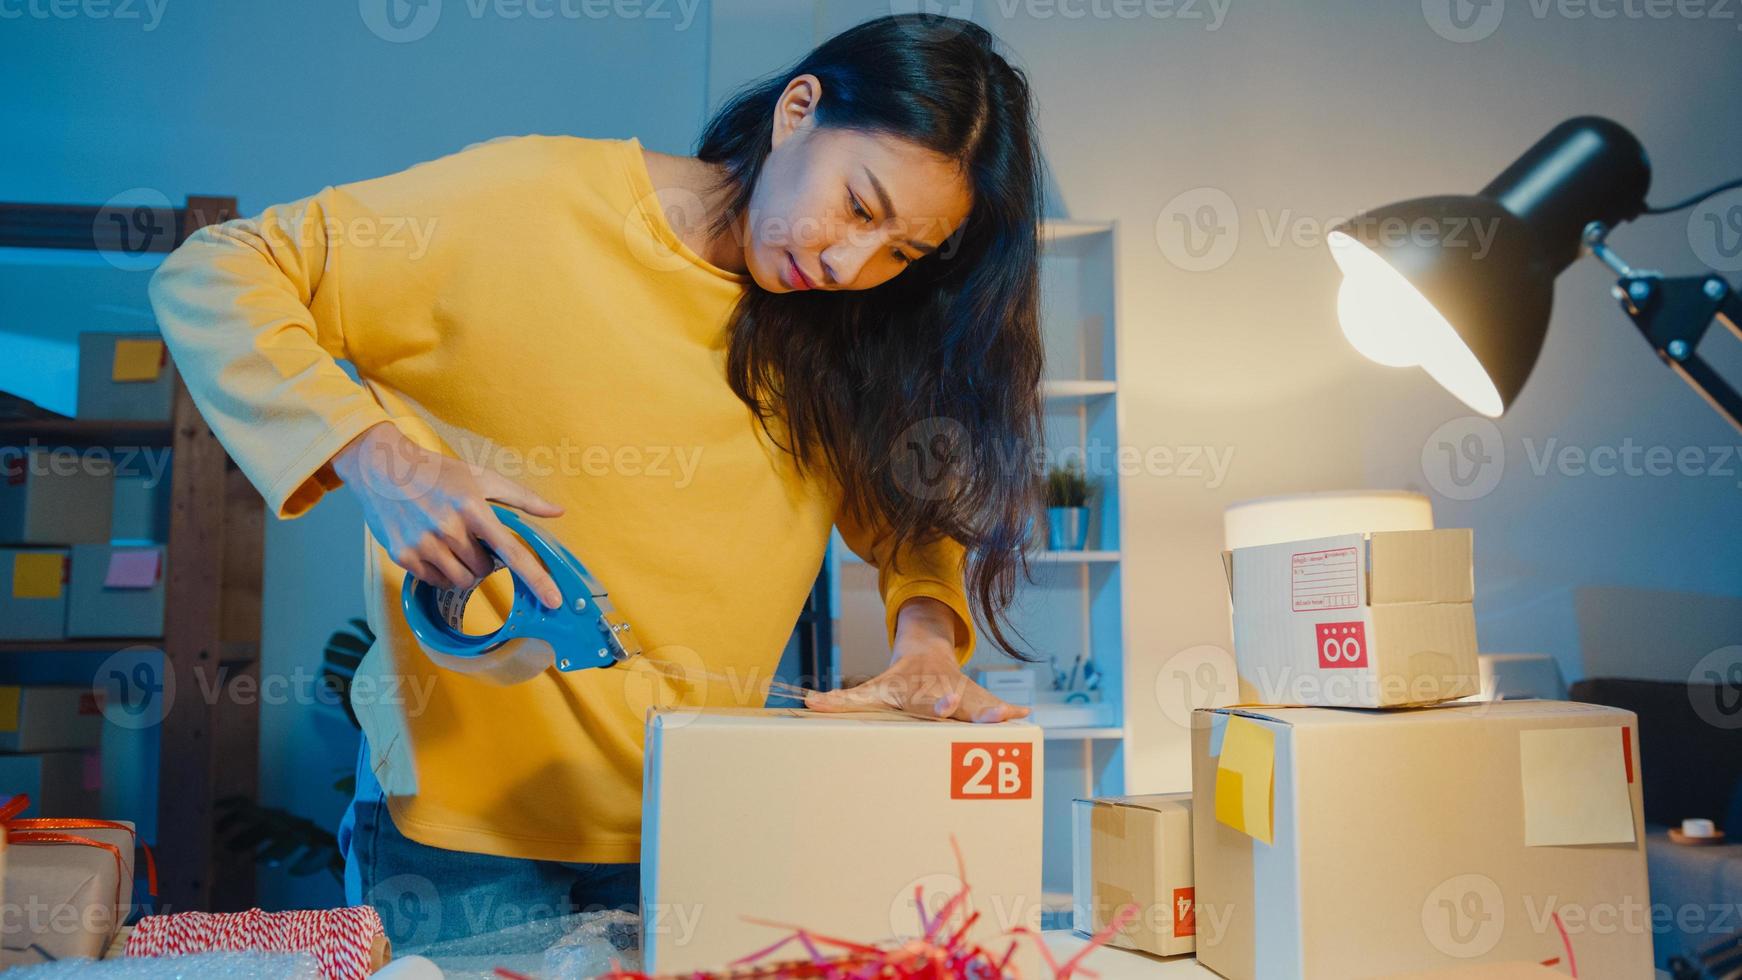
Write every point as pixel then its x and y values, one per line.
pixel 1342 644
pixel 1185 913
pixel 991 770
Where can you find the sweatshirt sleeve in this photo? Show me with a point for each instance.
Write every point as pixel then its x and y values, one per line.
pixel 933 570
pixel 250 310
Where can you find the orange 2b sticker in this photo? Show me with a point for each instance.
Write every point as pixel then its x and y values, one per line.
pixel 991 770
pixel 1185 913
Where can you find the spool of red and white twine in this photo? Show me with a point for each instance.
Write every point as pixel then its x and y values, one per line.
pixel 348 943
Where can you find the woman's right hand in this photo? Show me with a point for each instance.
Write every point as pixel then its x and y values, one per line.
pixel 432 512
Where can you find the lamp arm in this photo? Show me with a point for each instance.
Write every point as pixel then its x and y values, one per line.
pixel 1674 313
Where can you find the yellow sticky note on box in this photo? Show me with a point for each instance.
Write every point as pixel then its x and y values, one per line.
pixel 136 360
pixel 1575 786
pixel 9 698
pixel 1245 774
pixel 37 574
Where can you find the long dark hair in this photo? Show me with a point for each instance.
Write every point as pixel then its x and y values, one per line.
pixel 922 394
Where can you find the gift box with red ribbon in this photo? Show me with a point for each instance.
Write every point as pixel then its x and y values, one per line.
pixel 68 885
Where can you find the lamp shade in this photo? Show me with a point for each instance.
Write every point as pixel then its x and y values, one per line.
pixel 1462 285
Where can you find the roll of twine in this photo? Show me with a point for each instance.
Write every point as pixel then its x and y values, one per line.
pixel 348 943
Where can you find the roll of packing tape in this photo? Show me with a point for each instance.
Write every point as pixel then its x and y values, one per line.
pixel 510 662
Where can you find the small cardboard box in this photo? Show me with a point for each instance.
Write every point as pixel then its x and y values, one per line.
pixel 41 719
pixel 1355 621
pixel 125 376
pixel 141 511
pixel 1135 850
pixel 33 593
pixel 56 495
pixel 60 784
pixel 831 822
pixel 115 590
pixel 68 899
pixel 1334 844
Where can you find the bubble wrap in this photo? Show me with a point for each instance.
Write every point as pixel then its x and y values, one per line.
pixel 234 966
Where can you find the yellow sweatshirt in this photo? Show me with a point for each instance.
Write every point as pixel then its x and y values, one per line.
pixel 524 305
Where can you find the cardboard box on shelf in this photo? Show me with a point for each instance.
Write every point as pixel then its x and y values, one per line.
pixel 1355 621
pixel 1135 850
pixel 59 784
pixel 831 822
pixel 126 377
pixel 41 719
pixel 1337 843
pixel 33 593
pixel 116 590
pixel 66 899
pixel 55 496
pixel 141 510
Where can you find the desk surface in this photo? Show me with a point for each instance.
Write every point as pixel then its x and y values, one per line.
pixel 1123 964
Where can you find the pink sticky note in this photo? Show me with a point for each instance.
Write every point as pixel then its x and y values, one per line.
pixel 132 568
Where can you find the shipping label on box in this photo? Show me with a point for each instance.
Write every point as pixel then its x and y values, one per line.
pixel 1345 843
pixel 836 823
pixel 1359 620
pixel 1135 851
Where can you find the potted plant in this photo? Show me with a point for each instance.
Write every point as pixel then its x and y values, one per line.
pixel 1067 508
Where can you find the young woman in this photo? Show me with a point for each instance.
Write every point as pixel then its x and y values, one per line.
pixel 688 369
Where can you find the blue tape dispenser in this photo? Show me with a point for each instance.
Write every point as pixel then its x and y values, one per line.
pixel 585 631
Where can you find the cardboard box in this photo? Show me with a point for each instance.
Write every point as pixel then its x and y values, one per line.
pixel 56 496
pixel 33 593
pixel 1355 621
pixel 125 376
pixel 59 784
pixel 116 590
pixel 1135 850
pixel 141 510
pixel 830 822
pixel 66 899
pixel 40 719
pixel 1348 844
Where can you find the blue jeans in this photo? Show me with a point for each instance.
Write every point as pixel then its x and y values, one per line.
pixel 430 894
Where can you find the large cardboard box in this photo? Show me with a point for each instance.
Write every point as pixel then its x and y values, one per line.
pixel 40 719
pixel 831 822
pixel 116 590
pixel 33 593
pixel 1343 844
pixel 125 376
pixel 1358 620
pixel 57 495
pixel 1135 850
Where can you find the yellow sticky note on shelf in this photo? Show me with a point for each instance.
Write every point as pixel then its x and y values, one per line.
pixel 1245 774
pixel 136 360
pixel 37 575
pixel 1575 786
pixel 9 708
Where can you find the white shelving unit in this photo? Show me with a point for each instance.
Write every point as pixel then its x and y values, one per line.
pixel 1075 604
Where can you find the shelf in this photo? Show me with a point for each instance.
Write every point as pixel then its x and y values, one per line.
pixel 104 645
pixel 85 432
pixel 1062 733
pixel 1075 388
pixel 1073 557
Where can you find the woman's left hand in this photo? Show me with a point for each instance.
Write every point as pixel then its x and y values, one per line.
pixel 923 679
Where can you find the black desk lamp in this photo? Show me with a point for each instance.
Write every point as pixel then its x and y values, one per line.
pixel 1462 285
